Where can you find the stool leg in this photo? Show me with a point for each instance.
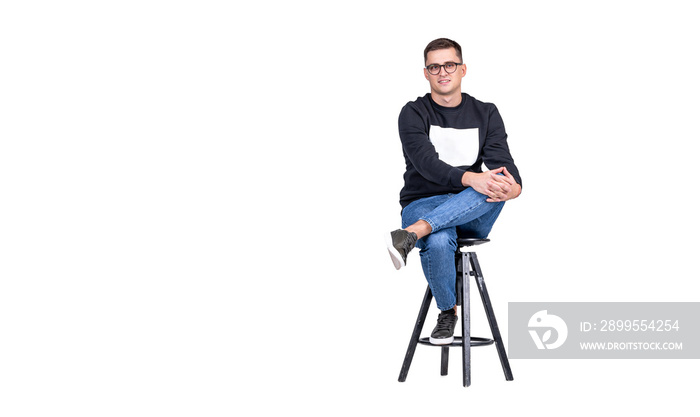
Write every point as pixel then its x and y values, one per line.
pixel 491 316
pixel 444 359
pixel 416 334
pixel 466 335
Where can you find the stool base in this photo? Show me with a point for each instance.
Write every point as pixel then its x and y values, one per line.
pixel 467 265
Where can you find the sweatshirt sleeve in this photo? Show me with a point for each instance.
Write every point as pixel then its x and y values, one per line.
pixel 413 130
pixel 496 153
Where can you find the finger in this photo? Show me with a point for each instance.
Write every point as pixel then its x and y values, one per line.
pixel 497 186
pixel 497 196
pixel 492 189
pixel 491 192
pixel 506 179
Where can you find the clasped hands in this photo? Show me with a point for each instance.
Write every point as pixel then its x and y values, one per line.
pixel 496 187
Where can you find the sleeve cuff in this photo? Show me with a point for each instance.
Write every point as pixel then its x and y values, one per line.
pixel 456 177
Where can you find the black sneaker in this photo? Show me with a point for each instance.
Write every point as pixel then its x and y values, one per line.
pixel 400 242
pixel 443 333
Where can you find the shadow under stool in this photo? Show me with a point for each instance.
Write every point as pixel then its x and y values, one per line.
pixel 467 265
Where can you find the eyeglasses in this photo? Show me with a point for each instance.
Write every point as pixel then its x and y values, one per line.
pixel 450 67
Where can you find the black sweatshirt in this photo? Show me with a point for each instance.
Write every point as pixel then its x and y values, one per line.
pixel 441 143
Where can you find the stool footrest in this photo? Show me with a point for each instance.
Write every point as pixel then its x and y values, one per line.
pixel 474 341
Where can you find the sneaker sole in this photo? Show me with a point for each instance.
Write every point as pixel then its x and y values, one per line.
pixel 446 341
pixel 395 255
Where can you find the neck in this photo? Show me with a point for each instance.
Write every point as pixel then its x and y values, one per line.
pixel 451 100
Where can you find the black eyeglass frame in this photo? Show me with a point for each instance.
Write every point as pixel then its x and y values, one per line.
pixel 440 67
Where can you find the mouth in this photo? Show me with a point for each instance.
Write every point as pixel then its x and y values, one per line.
pixel 443 82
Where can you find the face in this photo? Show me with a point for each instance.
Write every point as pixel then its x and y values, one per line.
pixel 445 84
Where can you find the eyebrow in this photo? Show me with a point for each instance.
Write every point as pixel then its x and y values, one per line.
pixel 444 63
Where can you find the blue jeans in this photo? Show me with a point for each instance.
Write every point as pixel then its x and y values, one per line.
pixel 466 214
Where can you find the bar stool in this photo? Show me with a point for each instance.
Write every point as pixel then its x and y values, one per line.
pixel 467 265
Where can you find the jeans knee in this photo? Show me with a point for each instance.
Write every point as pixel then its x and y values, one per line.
pixel 443 240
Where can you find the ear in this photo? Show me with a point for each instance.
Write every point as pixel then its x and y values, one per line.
pixel 425 72
pixel 464 70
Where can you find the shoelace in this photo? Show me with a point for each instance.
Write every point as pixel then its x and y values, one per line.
pixel 445 321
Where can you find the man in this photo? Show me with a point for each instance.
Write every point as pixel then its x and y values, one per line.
pixel 446 136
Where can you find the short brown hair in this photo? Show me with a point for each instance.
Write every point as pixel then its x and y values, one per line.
pixel 442 43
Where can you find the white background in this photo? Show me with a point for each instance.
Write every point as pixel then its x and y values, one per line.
pixel 194 197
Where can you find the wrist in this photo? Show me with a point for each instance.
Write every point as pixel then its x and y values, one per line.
pixel 467 178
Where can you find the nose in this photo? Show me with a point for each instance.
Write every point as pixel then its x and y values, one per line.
pixel 442 68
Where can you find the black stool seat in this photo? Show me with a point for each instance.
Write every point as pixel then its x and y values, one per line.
pixel 470 241
pixel 466 265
